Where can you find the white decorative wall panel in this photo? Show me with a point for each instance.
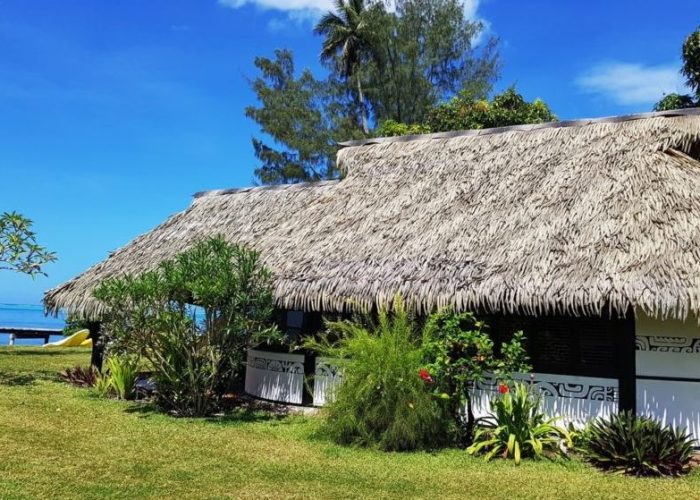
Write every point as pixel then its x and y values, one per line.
pixel 326 378
pixel 671 402
pixel 668 371
pixel 275 376
pixel 571 399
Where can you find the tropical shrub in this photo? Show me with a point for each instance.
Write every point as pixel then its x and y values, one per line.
pixel 194 361
pixel 390 128
pixel 639 446
pixel 122 372
pixel 79 376
pixel 103 385
pixel 465 111
pixel 459 354
pixel 517 428
pixel 383 400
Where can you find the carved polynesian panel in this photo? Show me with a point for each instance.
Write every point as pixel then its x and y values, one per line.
pixel 570 399
pixel 275 376
pixel 549 386
pixel 653 343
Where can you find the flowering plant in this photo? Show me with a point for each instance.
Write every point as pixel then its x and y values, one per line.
pixel 459 354
pixel 518 428
pixel 425 376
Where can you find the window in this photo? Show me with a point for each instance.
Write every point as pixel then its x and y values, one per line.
pixel 566 345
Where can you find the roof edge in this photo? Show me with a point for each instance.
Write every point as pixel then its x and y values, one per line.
pixel 523 128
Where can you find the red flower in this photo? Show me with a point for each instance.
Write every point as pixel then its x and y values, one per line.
pixel 425 376
pixel 502 388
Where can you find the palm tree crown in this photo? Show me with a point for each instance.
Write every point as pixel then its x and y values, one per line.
pixel 348 31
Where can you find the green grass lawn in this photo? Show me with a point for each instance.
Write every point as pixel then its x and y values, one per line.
pixel 60 442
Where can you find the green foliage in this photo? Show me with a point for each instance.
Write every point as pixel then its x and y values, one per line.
pixel 382 400
pixel 691 71
pixel 296 113
pixel 103 385
pixel 351 39
pixel 427 54
pixel 19 250
pixel 122 372
pixel 79 376
pixel 518 429
pixel 380 66
pixel 459 353
pixel 74 324
pixel 675 101
pixel 390 128
pixel 640 446
pixel 194 362
pixel 465 112
pixel 691 61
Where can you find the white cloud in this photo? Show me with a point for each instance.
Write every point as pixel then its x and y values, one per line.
pixel 470 9
pixel 284 5
pixel 631 83
pixel 302 11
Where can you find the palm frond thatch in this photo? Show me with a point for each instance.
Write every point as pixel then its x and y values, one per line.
pixel 566 217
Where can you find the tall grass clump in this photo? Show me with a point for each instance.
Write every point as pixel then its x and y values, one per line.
pixel 382 400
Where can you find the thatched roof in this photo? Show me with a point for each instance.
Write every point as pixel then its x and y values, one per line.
pixel 568 217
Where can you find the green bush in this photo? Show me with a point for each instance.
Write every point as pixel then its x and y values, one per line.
pixel 640 446
pixel 194 362
pixel 382 400
pixel 459 353
pixel 518 428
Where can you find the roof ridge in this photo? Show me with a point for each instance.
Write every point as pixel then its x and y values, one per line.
pixel 273 187
pixel 524 128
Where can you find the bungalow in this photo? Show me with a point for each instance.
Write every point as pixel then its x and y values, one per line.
pixel 585 234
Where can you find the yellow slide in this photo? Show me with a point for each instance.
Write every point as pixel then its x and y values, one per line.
pixel 79 338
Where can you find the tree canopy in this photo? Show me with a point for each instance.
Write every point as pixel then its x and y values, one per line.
pixel 417 67
pixel 19 250
pixel 690 54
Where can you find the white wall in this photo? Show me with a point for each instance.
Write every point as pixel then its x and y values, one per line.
pixel 666 350
pixel 570 399
pixel 275 376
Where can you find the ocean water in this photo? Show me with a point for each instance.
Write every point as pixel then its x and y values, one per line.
pixel 27 316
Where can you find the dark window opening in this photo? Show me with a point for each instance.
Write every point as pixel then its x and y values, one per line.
pixel 563 345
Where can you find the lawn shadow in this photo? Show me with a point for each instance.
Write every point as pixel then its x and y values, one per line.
pixel 17 379
pixel 243 414
pixel 247 415
pixel 39 351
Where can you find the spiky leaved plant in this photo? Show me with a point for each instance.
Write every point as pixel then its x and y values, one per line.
pixel 628 444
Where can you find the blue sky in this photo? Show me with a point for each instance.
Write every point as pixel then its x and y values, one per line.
pixel 113 113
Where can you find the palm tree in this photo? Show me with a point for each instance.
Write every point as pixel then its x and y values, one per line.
pixel 348 31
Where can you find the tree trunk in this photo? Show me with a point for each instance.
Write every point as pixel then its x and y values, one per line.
pixel 98 347
pixel 363 110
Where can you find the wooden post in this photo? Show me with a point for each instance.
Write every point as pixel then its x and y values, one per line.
pixel 626 355
pixel 97 345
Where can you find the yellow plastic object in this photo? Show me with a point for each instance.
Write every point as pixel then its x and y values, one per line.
pixel 86 343
pixel 74 340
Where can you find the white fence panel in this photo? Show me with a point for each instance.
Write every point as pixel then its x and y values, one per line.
pixel 326 378
pixel 275 376
pixel 571 399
